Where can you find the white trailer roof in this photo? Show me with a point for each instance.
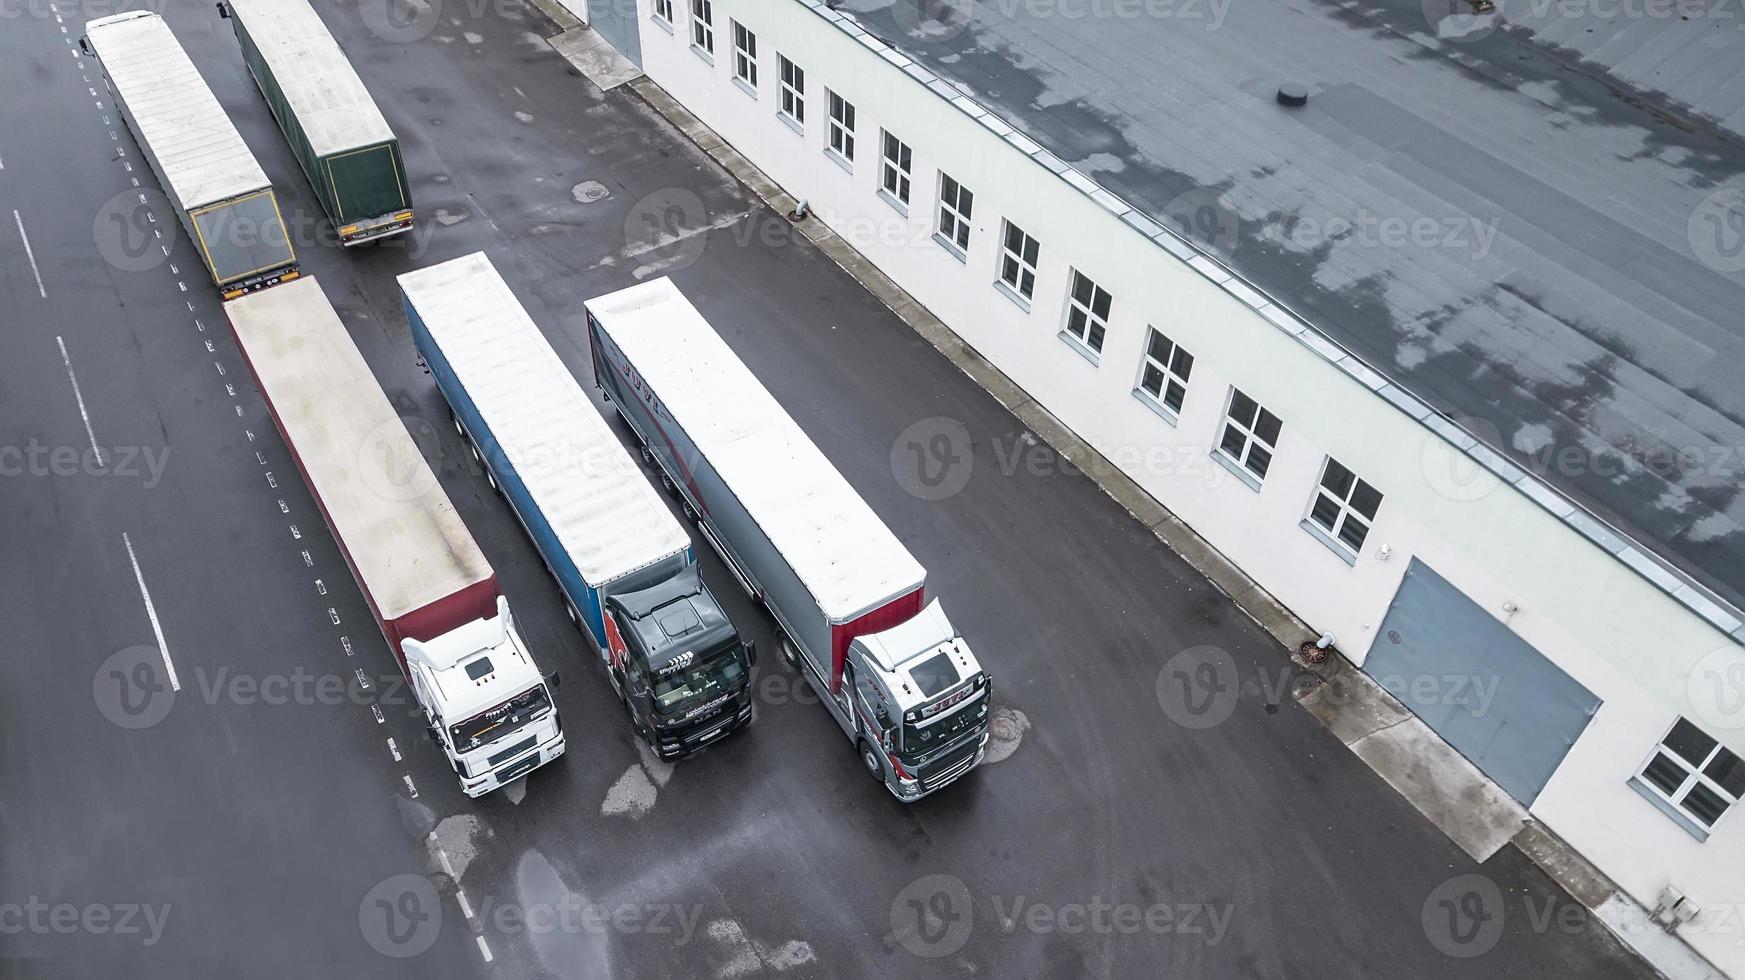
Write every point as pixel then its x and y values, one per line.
pixel 382 500
pixel 847 558
pixel 202 158
pixel 318 80
pixel 602 507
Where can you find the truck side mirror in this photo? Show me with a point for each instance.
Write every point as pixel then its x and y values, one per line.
pixel 224 10
pixel 552 680
pixel 85 47
pixel 751 652
pixel 434 733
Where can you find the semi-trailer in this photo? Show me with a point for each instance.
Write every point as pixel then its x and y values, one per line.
pixel 621 559
pixel 220 195
pixel 847 597
pixel 335 129
pixel 431 590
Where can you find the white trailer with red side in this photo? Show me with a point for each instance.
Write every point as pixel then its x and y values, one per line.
pixel 847 596
pixel 432 591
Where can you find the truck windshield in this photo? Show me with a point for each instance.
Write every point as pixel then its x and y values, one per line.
pixel 504 719
pixel 717 675
pixel 927 734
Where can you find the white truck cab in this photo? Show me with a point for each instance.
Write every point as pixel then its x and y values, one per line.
pixel 918 710
pixel 485 701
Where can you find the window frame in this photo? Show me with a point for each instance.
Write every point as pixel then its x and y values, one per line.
pixel 955 240
pixel 1240 465
pixel 1167 374
pixel 839 131
pixel 1345 510
pixel 1095 324
pixel 744 57
pixel 703 29
pixel 661 12
pixel 790 92
pixel 896 176
pixel 1673 803
pixel 1014 288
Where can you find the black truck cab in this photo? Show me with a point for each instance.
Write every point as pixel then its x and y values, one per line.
pixel 683 670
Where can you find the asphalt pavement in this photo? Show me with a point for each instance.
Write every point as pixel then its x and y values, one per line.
pixel 1159 805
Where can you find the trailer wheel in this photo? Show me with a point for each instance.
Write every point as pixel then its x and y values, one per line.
pixel 790 655
pixel 453 417
pixel 870 760
pixel 575 615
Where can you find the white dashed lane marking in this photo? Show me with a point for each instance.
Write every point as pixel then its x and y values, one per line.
pixel 29 254
pixel 80 398
pixel 151 613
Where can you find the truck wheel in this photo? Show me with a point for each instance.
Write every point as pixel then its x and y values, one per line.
pixel 869 759
pixel 790 655
pixel 575 615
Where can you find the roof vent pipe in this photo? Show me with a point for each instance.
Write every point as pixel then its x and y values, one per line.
pixel 1293 94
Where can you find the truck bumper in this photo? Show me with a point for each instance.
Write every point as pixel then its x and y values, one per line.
pixel 513 769
pixel 385 226
pixel 910 790
pixel 667 747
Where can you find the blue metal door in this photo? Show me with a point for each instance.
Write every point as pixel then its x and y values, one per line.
pixel 1486 691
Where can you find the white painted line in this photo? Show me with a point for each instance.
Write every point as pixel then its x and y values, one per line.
pixel 484 948
pixel 29 254
pixel 80 398
pixel 442 855
pixel 151 613
pixel 395 749
pixel 461 897
pixel 410 788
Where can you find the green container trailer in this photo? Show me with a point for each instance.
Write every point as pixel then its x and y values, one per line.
pixel 338 134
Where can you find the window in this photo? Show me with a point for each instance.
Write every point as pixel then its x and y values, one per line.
pixel 894 173
pixel 703 26
pixel 1694 774
pixel 663 10
pixel 793 90
pixel 1164 374
pixel 744 56
pixel 1087 311
pixel 1250 435
pixel 1018 253
pixel 955 202
pixel 841 127
pixel 1344 506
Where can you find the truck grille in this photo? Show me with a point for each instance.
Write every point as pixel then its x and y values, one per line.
pixel 512 751
pixel 518 768
pixel 949 766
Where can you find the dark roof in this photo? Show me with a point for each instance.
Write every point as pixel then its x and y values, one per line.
pixel 672 617
pixel 1529 245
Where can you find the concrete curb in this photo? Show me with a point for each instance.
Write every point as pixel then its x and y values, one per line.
pixel 1404 770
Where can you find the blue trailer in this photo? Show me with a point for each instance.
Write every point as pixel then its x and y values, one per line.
pixel 623 562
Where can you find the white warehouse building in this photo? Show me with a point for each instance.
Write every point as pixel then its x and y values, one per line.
pixel 1446 358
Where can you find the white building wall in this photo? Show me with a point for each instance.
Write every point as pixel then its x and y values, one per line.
pixel 1614 632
